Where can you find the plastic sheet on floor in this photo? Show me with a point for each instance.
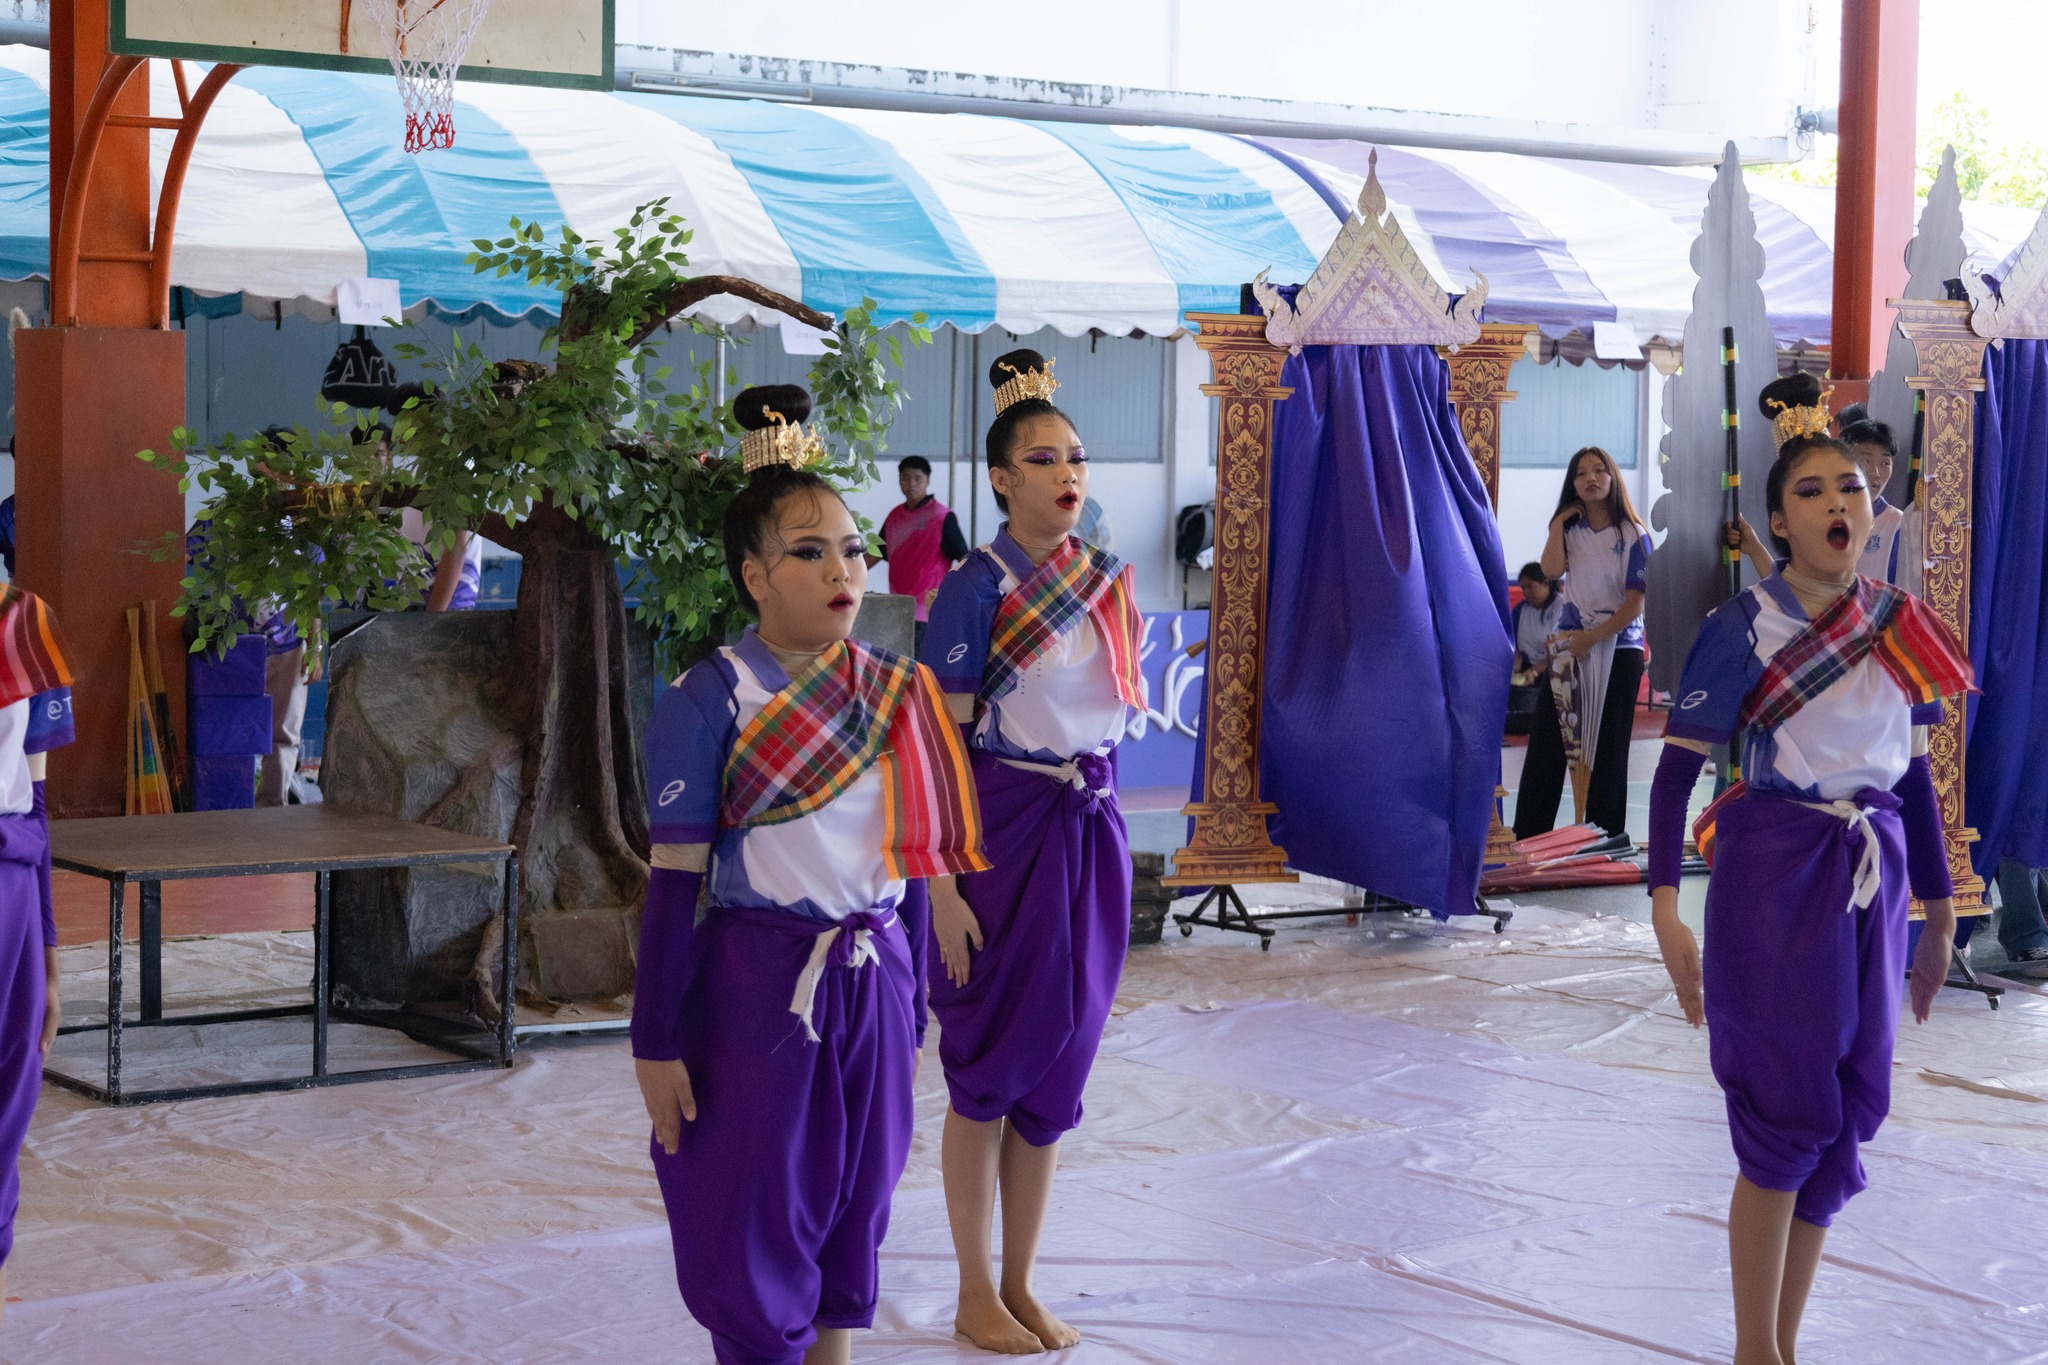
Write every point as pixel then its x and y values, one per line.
pixel 1381 1143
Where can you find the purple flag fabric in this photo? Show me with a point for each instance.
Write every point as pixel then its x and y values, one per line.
pixel 1387 637
pixel 2007 798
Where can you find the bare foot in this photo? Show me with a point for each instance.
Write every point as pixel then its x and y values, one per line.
pixel 1025 1308
pixel 983 1320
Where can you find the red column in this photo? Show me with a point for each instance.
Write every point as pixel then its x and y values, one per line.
pixel 1873 183
pixel 88 396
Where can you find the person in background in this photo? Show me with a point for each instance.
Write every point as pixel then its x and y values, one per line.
pixel 920 538
pixel 285 679
pixel 1875 451
pixel 1535 617
pixel 1095 527
pixel 1600 549
pixel 2022 928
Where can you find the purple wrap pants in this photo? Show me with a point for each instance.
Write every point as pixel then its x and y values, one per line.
pixel 1802 992
pixel 1018 1040
pixel 778 1195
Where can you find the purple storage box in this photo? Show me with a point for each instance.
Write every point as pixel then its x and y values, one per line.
pixel 230 725
pixel 224 782
pixel 238 673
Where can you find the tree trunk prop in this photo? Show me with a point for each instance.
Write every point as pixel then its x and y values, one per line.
pixel 582 822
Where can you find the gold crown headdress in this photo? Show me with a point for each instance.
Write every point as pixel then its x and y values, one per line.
pixel 1026 384
pixel 780 442
pixel 1793 422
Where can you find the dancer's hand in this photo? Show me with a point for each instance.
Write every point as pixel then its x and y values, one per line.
pixel 1930 959
pixel 665 1090
pixel 1580 642
pixel 1681 953
pixel 53 1007
pixel 955 927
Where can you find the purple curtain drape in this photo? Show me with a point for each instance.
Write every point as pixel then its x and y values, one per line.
pixel 1387 639
pixel 2007 799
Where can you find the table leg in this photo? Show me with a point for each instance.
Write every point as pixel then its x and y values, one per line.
pixel 117 927
pixel 320 924
pixel 509 967
pixel 152 906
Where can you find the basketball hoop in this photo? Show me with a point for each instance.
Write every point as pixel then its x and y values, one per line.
pixel 426 41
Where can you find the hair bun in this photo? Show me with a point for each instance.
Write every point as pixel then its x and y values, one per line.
pixel 1014 363
pixel 787 401
pixel 1791 391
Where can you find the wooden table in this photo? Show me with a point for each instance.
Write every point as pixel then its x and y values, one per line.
pixel 152 849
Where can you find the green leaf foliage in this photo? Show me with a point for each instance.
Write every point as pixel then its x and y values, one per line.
pixel 630 446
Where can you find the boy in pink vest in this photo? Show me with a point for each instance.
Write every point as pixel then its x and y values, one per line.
pixel 921 539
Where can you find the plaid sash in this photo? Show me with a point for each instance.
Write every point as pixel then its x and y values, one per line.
pixel 1076 582
pixel 1903 632
pixel 31 652
pixel 856 706
pixel 1872 619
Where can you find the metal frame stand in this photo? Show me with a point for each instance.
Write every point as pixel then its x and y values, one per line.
pixel 1970 980
pixel 1231 914
pixel 448 1035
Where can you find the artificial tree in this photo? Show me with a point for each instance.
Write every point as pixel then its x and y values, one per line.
pixel 599 458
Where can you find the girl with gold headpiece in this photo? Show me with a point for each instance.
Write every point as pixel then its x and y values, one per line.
pixel 1816 678
pixel 1600 548
pixel 1035 639
pixel 35 718
pixel 798 783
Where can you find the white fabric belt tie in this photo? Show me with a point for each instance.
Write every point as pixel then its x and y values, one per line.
pixel 1068 773
pixel 805 998
pixel 1869 864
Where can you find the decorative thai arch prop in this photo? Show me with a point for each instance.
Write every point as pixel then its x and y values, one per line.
pixel 1370 288
pixel 1936 364
pixel 1689 576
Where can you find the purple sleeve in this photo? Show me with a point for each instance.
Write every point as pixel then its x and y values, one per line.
pixel 1928 712
pixel 916 913
pixel 49 721
pixel 686 745
pixel 1670 794
pixel 1719 671
pixel 957 635
pixel 1638 579
pixel 1926 846
pixel 668 938
pixel 40 809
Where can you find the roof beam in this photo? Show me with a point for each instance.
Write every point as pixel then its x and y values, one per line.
pixel 858 85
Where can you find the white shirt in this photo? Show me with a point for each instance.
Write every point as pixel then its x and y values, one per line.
pixel 1856 734
pixel 1876 559
pixel 1065 704
pixel 17 792
pixel 831 857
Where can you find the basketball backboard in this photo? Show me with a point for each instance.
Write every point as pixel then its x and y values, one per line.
pixel 522 42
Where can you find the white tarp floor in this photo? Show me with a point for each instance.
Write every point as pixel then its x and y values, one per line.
pixel 1384 1142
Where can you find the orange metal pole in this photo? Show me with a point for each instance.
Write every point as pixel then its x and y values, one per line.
pixel 196 107
pixel 1873 183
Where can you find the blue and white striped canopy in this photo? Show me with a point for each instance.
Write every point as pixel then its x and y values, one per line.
pixel 299 181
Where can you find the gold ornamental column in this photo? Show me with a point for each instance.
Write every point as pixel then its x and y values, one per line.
pixel 1949 356
pixel 1230 843
pixel 1479 385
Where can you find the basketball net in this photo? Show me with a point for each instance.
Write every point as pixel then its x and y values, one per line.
pixel 426 41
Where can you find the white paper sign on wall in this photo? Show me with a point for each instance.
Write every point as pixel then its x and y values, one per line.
pixel 365 301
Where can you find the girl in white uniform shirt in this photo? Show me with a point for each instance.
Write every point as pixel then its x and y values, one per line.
pixel 1599 547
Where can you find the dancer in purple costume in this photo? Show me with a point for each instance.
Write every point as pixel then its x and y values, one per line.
pixel 1035 639
pixel 35 717
pixel 797 782
pixel 1823 683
